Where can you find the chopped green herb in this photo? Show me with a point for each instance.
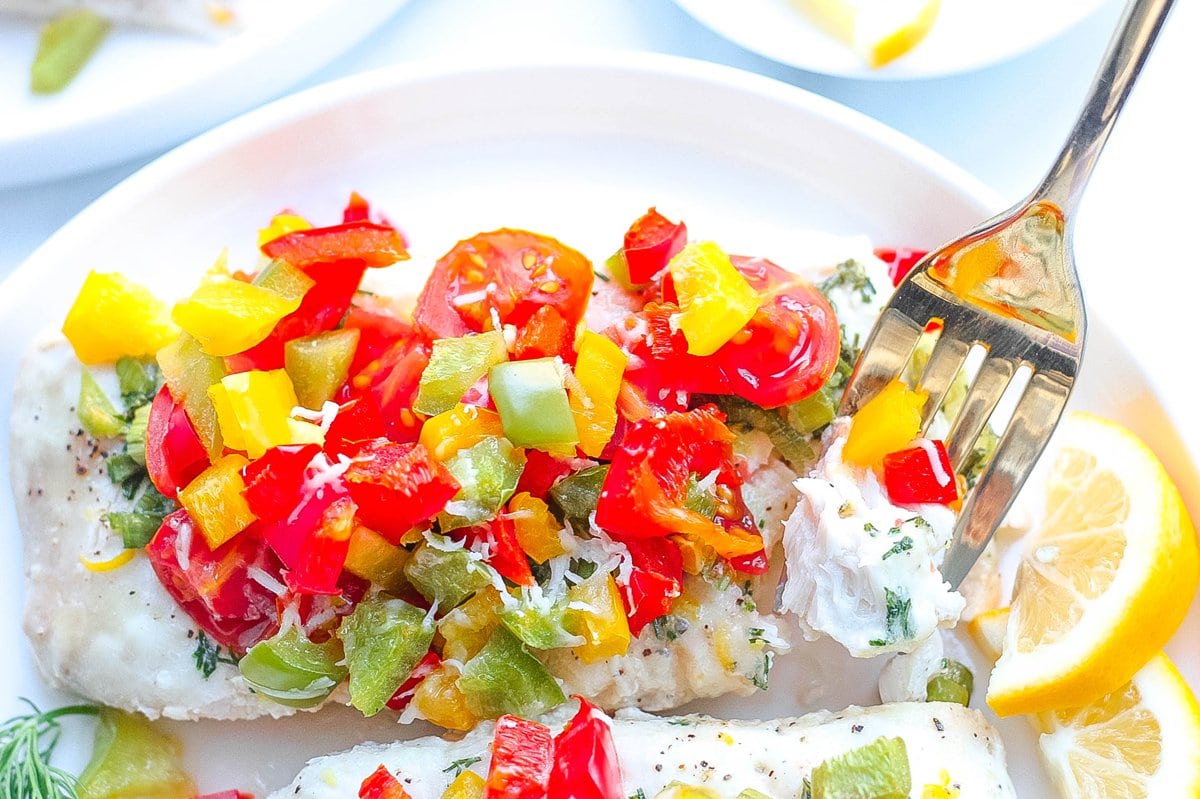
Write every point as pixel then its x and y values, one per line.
pixel 851 275
pixel 126 472
pixel 870 528
pixel 903 545
pixel 764 671
pixel 919 523
pixel 461 765
pixel 139 381
pixel 806 789
pixel 758 635
pixel 669 628
pixel 208 655
pixel 138 526
pixel 135 434
pixel 899 615
pixel 638 794
pixel 679 722
pixel 794 446
pixel 27 744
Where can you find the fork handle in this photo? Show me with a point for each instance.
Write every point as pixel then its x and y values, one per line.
pixel 1127 51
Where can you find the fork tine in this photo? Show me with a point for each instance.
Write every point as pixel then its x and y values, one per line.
pixel 1034 419
pixel 883 357
pixel 994 376
pixel 944 363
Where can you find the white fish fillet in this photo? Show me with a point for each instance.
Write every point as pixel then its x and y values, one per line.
pixel 947 744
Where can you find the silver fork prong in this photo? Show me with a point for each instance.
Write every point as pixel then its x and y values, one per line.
pixel 883 358
pixel 986 390
pixel 1033 420
pixel 945 361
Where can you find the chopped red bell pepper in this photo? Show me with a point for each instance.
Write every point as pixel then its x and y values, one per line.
pixel 273 481
pixel 900 261
pixel 522 756
pixel 655 582
pixel 546 335
pixel 397 486
pixel 645 492
pixel 382 784
pixel 920 475
pixel 506 557
pixel 542 470
pixel 378 329
pixel 359 419
pixel 317 568
pixel 357 209
pixel 650 243
pixel 363 241
pixel 404 694
pixel 214 586
pixel 174 454
pixel 585 758
pixel 321 309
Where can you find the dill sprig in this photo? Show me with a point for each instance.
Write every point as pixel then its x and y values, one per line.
pixel 26 746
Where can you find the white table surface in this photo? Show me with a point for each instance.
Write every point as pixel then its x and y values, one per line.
pixel 1003 124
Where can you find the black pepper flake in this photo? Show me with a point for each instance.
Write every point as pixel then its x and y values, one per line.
pixel 938 724
pixel 646 653
pixel 658 766
pixel 856 728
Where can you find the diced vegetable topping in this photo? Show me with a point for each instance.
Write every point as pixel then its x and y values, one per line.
pixel 455 364
pixel 113 316
pixel 381 784
pixel 920 474
pixel 132 759
pixel 522 756
pixel 887 423
pixel 585 758
pixel 715 300
pixel 504 678
pixel 384 640
pixel 532 399
pixel 67 42
pixel 952 682
pixel 292 670
pixel 878 770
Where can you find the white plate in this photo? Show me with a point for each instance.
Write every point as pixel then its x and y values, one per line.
pixel 146 90
pixel 575 150
pixel 968 34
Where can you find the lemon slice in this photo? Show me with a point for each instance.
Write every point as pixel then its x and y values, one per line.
pixel 879 30
pixel 1104 581
pixel 988 631
pixel 1142 740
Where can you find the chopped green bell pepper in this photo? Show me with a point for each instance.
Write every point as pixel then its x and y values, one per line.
pixel 189 371
pixel 284 279
pixel 96 411
pixel 455 364
pixel 318 365
pixel 504 678
pixel 953 682
pixel 878 770
pixel 449 575
pixel 384 639
pixel 132 759
pixel 814 412
pixel 487 473
pixel 533 405
pixel 66 44
pixel 575 496
pixel 540 623
pixel 292 670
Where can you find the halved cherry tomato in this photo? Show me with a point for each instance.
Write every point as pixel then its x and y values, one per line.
pixel 650 243
pixel 214 586
pixel 174 454
pixel 655 582
pixel 585 758
pixel 390 382
pixel 397 486
pixel 378 329
pixel 382 784
pixel 645 492
pixel 522 756
pixel 899 260
pixel 545 335
pixel 511 272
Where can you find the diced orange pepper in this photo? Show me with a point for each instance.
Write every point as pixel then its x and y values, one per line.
pixel 228 316
pixel 467 785
pixel 887 423
pixel 458 428
pixel 468 627
pixel 537 529
pixel 715 299
pixel 697 555
pixel 281 225
pixel 113 316
pixel 254 411
pixel 372 557
pixel 603 624
pixel 593 394
pixel 441 701
pixel 215 502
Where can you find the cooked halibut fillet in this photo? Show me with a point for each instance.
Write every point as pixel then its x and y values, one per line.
pixel 948 745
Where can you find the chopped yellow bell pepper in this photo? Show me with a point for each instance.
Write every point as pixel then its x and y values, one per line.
pixel 228 316
pixel 441 701
pixel 372 557
pixel 281 225
pixel 538 532
pixel 254 410
pixel 467 785
pixel 215 502
pixel 715 300
pixel 887 423
pixel 593 393
pixel 113 316
pixel 460 427
pixel 597 613
pixel 468 627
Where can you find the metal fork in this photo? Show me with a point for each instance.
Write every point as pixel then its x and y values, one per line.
pixel 1009 287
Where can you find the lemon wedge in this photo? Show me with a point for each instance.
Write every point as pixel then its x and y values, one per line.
pixel 1104 581
pixel 879 30
pixel 988 631
pixel 1142 740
